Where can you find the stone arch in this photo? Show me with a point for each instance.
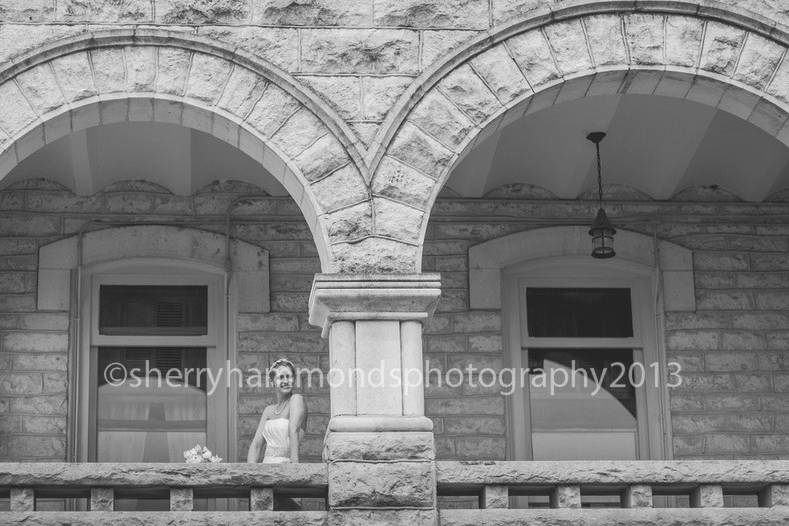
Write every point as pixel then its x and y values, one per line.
pixel 154 75
pixel 722 59
pixel 486 261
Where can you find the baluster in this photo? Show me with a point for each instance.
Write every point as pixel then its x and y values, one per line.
pixel 23 499
pixel 494 497
pixel 566 497
pixel 637 496
pixel 261 499
pixel 181 499
pixel 707 496
pixel 774 495
pixel 102 499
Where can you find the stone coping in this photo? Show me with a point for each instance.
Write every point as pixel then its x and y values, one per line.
pixel 617 517
pixel 166 518
pixel 448 473
pixel 739 473
pixel 127 475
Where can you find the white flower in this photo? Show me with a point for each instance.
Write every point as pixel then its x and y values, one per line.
pixel 200 454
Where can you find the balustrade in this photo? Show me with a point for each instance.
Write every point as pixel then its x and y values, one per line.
pixel 565 488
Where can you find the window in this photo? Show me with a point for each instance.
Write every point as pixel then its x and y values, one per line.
pixel 71 270
pixel 585 329
pixel 588 408
pixel 152 337
pixel 150 401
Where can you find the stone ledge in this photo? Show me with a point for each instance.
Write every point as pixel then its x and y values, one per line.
pixel 613 472
pixel 617 517
pixel 165 518
pixel 127 475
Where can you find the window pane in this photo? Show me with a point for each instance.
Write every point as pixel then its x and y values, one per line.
pixel 148 418
pixel 582 405
pixel 153 310
pixel 579 312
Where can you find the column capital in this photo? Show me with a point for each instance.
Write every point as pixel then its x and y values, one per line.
pixel 372 297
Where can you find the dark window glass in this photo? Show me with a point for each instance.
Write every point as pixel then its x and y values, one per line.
pixel 170 310
pixel 579 312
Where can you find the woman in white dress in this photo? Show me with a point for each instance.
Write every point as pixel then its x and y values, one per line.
pixel 282 425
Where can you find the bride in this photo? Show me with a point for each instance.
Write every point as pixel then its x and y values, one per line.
pixel 282 425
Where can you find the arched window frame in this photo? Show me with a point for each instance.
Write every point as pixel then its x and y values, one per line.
pixel 68 267
pixel 659 273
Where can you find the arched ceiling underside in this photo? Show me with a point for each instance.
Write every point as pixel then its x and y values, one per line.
pixel 176 159
pixel 656 147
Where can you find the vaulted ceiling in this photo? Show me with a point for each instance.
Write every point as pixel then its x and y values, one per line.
pixel 180 159
pixel 659 146
pixel 656 148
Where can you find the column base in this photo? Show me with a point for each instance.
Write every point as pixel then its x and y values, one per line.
pixel 389 445
pixel 379 423
pixel 379 437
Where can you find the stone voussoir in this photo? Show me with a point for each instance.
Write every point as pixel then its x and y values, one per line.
pixel 467 91
pixel 396 220
pixel 497 69
pixel 343 187
pixel 533 55
pixel 402 183
pixel 75 76
pixel 441 119
pixel 568 42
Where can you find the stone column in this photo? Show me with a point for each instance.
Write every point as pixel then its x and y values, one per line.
pixel 379 444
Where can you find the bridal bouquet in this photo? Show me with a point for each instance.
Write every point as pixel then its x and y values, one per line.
pixel 200 454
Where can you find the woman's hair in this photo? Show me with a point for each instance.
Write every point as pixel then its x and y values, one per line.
pixel 279 363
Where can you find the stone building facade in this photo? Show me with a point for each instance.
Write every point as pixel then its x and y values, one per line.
pixel 361 111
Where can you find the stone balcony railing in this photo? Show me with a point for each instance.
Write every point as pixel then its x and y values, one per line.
pixel 101 483
pixel 637 486
pixel 632 483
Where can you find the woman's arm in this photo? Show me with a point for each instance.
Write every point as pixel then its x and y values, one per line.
pixel 296 421
pixel 254 447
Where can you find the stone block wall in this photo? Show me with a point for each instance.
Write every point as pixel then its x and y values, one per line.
pixel 734 349
pixel 360 56
pixel 34 344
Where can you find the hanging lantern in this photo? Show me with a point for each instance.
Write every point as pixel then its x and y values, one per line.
pixel 601 231
pixel 602 236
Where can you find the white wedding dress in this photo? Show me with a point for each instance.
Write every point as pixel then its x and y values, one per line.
pixel 275 431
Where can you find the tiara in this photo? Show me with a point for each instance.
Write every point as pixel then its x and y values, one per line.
pixel 282 361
